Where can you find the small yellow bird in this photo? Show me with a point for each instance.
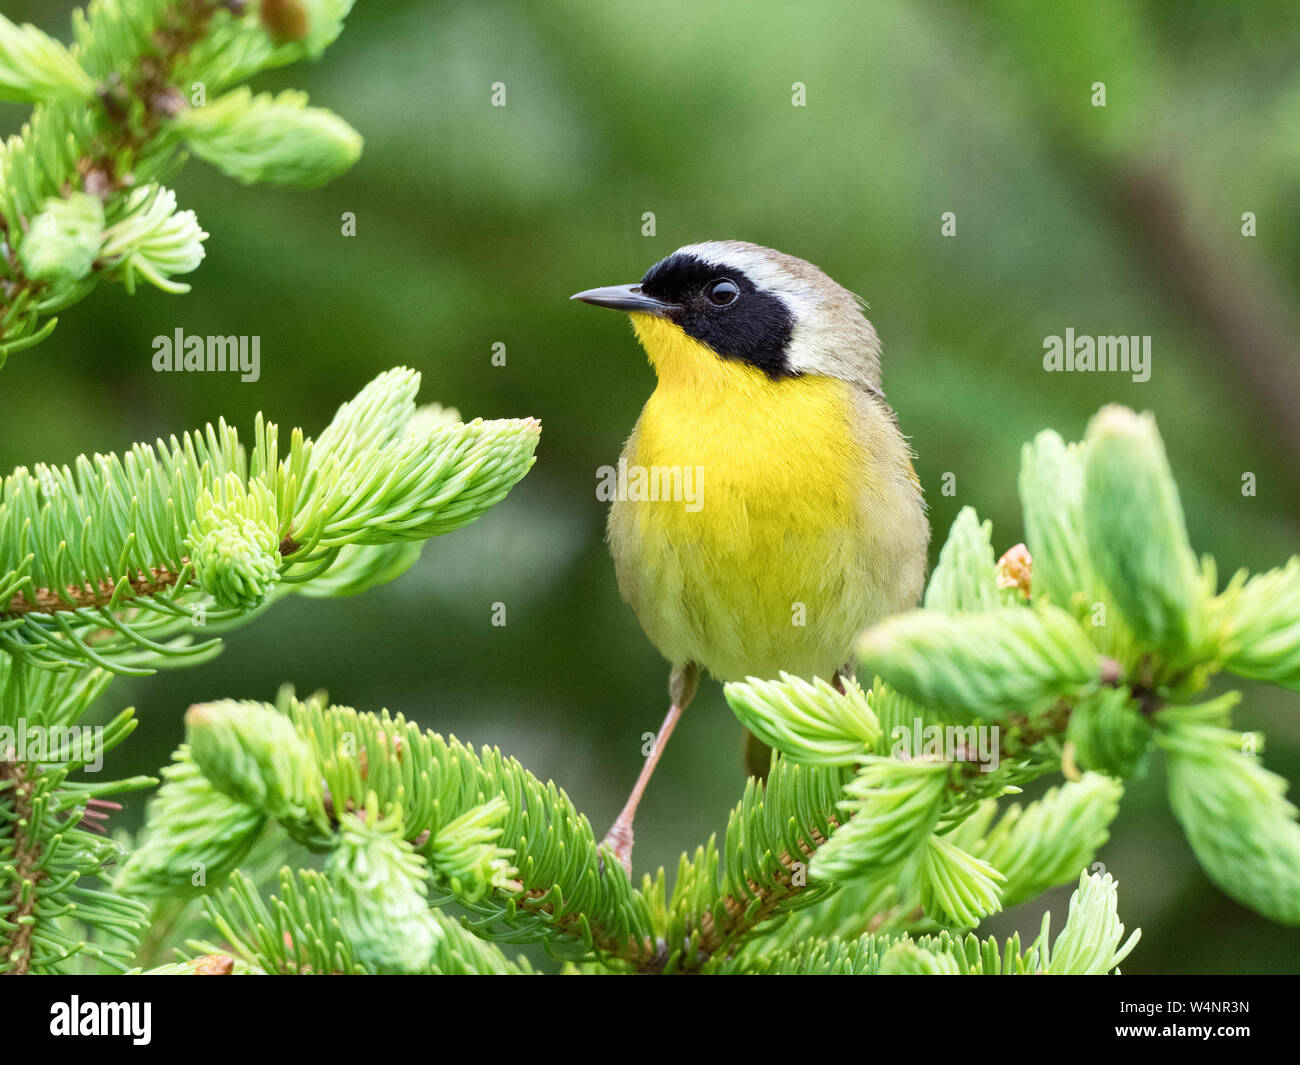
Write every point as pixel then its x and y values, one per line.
pixel 766 509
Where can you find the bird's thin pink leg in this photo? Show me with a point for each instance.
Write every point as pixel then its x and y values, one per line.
pixel 681 686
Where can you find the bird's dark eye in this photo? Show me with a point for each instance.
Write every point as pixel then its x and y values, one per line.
pixel 722 291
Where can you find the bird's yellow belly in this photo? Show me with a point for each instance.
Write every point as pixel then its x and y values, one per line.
pixel 759 569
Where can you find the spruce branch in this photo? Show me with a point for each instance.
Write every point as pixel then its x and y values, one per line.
pixel 1032 848
pixel 1090 942
pixel 910 817
pixel 1110 732
pixel 208 834
pixel 551 885
pixel 153 241
pixel 1046 843
pixel 54 863
pixel 124 562
pixel 1260 620
pixel 891 809
pixel 761 876
pixel 1234 811
pixel 508 849
pixel 81 198
pixel 300 931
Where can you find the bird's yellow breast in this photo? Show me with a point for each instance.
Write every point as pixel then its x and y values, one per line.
pixel 769 568
pixel 762 448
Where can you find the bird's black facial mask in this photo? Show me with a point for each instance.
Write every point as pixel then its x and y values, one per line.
pixel 721 307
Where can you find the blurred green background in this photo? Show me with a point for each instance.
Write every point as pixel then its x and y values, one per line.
pixel 476 223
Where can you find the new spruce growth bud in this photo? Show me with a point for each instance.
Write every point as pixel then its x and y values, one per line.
pixel 276 139
pixel 808 720
pixel 380 893
pixel 1137 538
pixel 35 67
pixel 1051 492
pixel 255 755
pixel 234 544
pixel 965 580
pixel 62 243
pixel 1009 659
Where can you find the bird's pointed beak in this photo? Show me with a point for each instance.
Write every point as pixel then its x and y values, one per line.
pixel 625 298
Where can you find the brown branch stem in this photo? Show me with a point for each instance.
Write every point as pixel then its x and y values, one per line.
pixel 79 597
pixel 22 868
